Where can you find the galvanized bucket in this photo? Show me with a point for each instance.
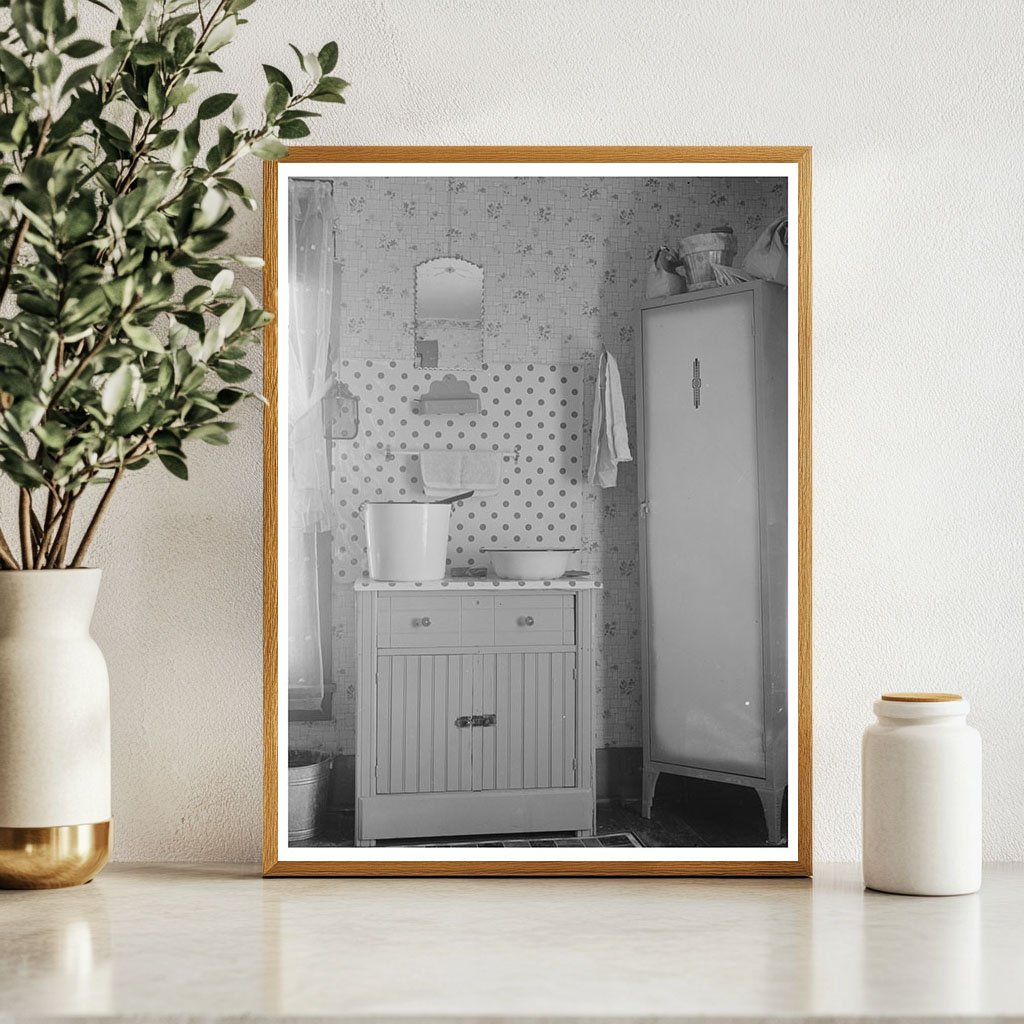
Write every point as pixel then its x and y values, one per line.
pixel 308 775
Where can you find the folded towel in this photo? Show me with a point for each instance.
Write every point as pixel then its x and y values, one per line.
pixel 609 440
pixel 446 473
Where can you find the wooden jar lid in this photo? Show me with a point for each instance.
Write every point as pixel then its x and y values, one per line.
pixel 920 698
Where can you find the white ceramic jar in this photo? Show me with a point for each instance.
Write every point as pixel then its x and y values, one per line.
pixel 921 777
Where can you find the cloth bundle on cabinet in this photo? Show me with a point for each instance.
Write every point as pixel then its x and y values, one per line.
pixel 663 277
pixel 609 439
pixel 769 258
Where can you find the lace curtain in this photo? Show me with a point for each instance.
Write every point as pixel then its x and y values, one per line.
pixel 310 275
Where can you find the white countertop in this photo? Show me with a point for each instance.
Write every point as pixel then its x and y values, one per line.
pixel 483 582
pixel 174 941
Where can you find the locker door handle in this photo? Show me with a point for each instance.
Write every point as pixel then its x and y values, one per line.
pixel 468 721
pixel 696 383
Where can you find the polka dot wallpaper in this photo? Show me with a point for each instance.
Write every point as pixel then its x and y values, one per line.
pixel 532 415
pixel 564 265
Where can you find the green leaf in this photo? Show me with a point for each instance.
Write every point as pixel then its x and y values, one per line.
pixel 232 319
pixel 144 338
pixel 328 57
pixel 116 390
pixel 16 70
pixel 128 421
pixel 48 68
pixel 334 84
pixel 221 35
pixel 211 433
pixel 326 96
pixel 216 104
pixel 83 48
pixel 184 44
pixel 107 67
pixel 181 94
pixel 276 77
pixel 21 471
pixel 133 13
pixel 26 414
pixel 193 379
pixel 276 100
pixel 269 149
pixel 174 464
pixel 53 435
pixel 145 54
pixel 293 130
pixel 227 397
pixel 77 79
pixel 255 262
pixel 222 281
pixel 232 373
pixel 311 65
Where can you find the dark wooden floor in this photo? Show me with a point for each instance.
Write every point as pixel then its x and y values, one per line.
pixel 686 812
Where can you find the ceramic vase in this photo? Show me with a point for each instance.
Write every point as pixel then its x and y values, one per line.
pixel 54 731
pixel 922 796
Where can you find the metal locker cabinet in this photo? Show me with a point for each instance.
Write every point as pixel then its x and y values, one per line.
pixel 711 425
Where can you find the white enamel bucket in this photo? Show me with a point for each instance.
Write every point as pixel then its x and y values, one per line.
pixel 407 542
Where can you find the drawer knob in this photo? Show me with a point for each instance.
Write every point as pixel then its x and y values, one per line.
pixel 425 621
pixel 528 621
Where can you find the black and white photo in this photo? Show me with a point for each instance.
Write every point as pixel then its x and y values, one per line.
pixel 537 479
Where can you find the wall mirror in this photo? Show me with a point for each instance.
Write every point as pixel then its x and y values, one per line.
pixel 449 313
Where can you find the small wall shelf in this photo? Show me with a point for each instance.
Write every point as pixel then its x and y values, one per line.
pixel 448 396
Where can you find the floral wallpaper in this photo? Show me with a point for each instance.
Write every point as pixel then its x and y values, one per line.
pixel 565 260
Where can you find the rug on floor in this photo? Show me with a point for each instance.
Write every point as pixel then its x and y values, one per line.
pixel 612 839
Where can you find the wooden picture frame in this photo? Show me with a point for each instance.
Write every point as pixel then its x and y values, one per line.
pixel 792 162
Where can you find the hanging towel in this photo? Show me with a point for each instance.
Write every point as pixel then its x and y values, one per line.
pixel 448 472
pixel 609 441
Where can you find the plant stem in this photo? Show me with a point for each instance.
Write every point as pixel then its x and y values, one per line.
pixel 25 522
pixel 6 554
pixel 51 527
pixel 55 559
pixel 22 229
pixel 94 523
pixel 87 357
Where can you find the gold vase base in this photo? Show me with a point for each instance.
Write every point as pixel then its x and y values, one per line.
pixel 53 857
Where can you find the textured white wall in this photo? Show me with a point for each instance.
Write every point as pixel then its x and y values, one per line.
pixel 913 110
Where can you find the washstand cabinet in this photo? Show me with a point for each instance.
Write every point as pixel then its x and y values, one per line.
pixel 474 712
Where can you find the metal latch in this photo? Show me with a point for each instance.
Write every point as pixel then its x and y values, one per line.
pixel 468 721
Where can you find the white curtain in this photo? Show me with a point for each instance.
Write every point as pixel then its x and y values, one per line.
pixel 310 273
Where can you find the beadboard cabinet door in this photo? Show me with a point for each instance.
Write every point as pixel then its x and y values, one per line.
pixel 532 744
pixel 463 722
pixel 420 700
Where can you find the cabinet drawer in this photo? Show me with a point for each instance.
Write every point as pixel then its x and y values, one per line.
pixel 530 619
pixel 427 620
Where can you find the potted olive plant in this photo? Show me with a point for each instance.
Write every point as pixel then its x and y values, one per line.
pixel 122 339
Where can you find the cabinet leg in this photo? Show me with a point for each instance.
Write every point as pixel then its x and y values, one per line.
pixel 650 781
pixel 771 802
pixel 584 833
pixel 366 842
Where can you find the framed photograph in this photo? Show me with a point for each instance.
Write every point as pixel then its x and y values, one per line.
pixel 538 511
